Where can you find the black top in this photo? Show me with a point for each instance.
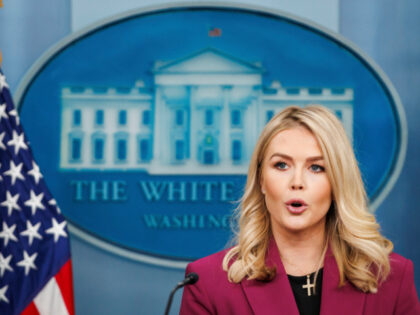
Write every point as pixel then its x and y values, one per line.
pixel 307 304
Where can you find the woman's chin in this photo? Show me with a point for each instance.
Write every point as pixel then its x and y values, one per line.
pixel 299 225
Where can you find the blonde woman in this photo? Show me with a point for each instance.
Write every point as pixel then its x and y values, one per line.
pixel 306 242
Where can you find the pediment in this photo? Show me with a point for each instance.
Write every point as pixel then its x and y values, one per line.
pixel 208 61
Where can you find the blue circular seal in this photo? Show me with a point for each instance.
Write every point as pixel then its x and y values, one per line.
pixel 144 124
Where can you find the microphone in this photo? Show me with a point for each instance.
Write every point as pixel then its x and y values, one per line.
pixel 191 278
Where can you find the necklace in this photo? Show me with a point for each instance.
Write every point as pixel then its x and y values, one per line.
pixel 309 285
pixel 303 271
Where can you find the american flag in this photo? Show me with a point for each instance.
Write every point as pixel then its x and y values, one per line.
pixel 35 265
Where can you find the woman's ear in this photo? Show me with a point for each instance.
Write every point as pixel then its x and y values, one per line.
pixel 262 185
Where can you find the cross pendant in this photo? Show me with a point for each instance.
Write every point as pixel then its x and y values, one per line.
pixel 308 285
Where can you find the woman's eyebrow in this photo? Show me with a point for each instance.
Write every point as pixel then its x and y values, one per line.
pixel 284 156
pixel 314 158
pixel 287 157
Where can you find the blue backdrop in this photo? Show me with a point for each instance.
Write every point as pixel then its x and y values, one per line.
pixel 107 284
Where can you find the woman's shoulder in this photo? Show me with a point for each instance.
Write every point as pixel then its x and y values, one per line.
pixel 212 263
pixel 212 279
pixel 401 274
pixel 399 264
pixel 398 291
pixel 213 293
pixel 400 268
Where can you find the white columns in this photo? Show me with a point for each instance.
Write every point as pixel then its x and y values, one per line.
pixel 194 119
pixel 225 141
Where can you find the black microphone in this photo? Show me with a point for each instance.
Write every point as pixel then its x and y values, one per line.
pixel 191 278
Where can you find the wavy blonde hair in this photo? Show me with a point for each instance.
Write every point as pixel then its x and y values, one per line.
pixel 361 252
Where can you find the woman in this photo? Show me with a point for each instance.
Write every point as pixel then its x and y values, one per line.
pixel 306 242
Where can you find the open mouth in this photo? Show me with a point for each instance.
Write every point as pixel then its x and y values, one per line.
pixel 296 207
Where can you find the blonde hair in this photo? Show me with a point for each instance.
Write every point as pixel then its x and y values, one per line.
pixel 361 252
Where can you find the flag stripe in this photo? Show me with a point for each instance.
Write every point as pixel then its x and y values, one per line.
pixel 30 310
pixel 64 280
pixel 50 301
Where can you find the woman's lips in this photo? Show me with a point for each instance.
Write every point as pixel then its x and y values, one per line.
pixel 296 206
pixel 296 210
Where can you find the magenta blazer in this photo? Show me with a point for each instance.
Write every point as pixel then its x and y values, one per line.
pixel 214 294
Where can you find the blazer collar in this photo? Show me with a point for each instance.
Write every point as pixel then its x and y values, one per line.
pixel 276 296
pixel 347 300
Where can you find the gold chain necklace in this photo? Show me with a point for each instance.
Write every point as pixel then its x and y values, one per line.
pixel 308 286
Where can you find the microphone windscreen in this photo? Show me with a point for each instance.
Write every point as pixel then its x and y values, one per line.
pixel 192 278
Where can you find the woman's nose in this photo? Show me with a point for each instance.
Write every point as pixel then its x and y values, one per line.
pixel 296 182
pixel 297 186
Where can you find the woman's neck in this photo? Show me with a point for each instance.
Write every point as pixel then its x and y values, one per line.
pixel 302 253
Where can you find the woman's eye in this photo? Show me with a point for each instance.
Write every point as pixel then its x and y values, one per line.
pixel 317 168
pixel 281 165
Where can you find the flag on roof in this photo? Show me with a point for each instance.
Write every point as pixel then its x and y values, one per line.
pixel 35 264
pixel 215 32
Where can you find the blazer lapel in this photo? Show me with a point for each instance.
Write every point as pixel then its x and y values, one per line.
pixel 346 300
pixel 275 296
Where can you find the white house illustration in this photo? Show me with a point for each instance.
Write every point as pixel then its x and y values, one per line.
pixel 202 115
